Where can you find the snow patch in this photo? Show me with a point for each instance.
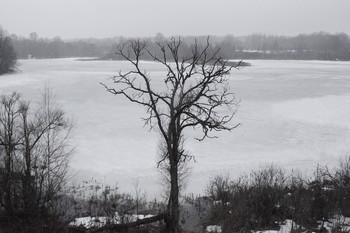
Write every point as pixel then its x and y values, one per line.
pixel 89 222
pixel 214 228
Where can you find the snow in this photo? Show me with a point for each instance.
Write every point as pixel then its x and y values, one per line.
pixel 341 223
pixel 89 222
pixel 214 228
pixel 292 113
pixel 286 227
pixel 101 221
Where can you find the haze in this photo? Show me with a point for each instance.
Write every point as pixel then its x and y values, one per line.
pixel 108 18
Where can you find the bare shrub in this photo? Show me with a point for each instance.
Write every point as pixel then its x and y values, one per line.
pixel 253 201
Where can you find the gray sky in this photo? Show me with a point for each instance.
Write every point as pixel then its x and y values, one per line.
pixel 107 18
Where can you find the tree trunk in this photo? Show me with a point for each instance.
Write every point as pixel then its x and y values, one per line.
pixel 7 185
pixel 173 206
pixel 125 226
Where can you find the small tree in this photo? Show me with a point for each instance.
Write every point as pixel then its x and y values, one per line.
pixel 195 95
pixel 8 59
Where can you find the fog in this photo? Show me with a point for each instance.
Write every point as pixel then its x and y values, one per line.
pixel 109 18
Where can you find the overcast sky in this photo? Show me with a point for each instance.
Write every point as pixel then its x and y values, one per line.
pixel 108 18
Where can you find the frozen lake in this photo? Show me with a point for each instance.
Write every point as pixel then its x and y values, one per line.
pixel 292 113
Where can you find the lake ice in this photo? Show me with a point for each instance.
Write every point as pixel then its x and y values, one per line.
pixel 292 113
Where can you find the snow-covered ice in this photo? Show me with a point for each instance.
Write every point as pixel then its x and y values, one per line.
pixel 292 113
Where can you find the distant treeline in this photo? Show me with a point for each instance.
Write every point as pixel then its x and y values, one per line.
pixel 35 47
pixel 315 46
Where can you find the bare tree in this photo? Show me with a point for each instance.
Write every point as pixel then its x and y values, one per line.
pixel 9 142
pixel 54 149
pixel 34 154
pixel 195 95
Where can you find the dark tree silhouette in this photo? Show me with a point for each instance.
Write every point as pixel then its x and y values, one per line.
pixel 196 94
pixel 34 157
pixel 8 57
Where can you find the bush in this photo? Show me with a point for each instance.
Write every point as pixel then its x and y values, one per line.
pixel 266 197
pixel 251 202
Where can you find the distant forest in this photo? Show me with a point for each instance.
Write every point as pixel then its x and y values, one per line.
pixel 315 46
